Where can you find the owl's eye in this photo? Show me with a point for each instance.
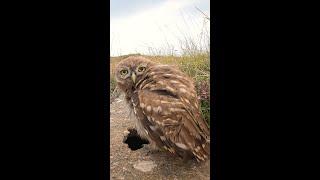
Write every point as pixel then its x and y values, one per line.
pixel 140 69
pixel 124 72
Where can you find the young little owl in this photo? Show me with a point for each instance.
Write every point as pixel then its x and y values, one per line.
pixel 165 106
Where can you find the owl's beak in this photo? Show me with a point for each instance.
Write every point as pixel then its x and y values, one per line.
pixel 133 77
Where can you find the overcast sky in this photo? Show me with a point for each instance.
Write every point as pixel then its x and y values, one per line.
pixel 139 24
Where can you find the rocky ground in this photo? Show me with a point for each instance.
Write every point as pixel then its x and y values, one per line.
pixel 141 164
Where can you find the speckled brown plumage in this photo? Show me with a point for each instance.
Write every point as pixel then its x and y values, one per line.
pixel 165 107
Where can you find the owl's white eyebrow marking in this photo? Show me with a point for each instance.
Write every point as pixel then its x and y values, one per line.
pixel 149 108
pixel 162 65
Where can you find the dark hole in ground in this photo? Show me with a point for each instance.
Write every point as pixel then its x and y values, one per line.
pixel 134 141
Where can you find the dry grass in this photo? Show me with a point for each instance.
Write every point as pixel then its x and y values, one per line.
pixel 194 61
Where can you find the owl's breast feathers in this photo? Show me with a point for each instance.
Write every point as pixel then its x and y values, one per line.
pixel 166 105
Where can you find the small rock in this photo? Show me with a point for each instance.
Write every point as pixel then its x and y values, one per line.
pixel 144 166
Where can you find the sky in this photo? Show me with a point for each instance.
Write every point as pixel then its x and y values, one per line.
pixel 140 26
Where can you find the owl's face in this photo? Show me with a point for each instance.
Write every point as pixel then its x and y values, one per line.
pixel 130 71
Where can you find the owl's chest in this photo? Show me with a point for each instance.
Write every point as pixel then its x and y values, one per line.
pixel 138 117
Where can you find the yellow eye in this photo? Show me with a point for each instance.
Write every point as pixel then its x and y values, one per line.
pixel 140 69
pixel 124 72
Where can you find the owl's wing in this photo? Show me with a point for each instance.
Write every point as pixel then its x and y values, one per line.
pixel 176 123
pixel 170 81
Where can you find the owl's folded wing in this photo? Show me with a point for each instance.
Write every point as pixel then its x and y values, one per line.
pixel 174 122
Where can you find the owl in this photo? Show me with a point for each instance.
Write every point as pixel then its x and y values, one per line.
pixel 165 107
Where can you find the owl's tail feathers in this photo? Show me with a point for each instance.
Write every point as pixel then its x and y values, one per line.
pixel 202 151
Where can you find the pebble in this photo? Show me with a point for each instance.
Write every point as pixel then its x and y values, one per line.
pixel 144 166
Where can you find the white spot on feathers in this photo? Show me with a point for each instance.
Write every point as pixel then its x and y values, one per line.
pixel 153 128
pixel 182 146
pixel 182 90
pixel 170 88
pixel 173 81
pixel 176 110
pixel 197 149
pixel 142 105
pixel 163 138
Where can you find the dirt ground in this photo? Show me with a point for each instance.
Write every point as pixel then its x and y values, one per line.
pixel 143 164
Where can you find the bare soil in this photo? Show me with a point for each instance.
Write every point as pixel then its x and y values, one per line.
pixel 143 163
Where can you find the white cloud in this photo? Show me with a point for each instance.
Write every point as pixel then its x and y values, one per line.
pixel 155 26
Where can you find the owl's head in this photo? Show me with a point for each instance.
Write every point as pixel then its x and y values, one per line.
pixel 130 71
